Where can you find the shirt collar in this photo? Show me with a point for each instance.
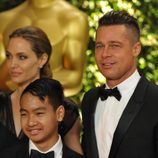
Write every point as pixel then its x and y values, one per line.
pixel 130 83
pixel 57 148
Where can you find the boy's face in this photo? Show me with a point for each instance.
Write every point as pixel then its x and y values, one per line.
pixel 39 120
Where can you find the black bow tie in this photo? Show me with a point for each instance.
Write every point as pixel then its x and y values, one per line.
pixel 105 93
pixel 37 154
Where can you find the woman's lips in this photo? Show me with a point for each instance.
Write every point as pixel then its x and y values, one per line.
pixel 15 74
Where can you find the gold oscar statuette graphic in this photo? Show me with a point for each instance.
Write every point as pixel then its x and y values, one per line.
pixel 67 29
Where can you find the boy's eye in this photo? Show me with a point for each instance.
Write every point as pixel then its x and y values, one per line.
pixel 39 113
pixel 23 114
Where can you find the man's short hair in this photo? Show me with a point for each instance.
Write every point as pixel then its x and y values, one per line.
pixel 121 18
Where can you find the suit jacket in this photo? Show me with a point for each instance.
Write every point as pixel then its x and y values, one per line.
pixel 136 135
pixel 22 151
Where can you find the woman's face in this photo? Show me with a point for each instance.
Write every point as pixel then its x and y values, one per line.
pixel 23 64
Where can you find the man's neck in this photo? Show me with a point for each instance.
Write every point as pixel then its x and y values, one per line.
pixel 113 83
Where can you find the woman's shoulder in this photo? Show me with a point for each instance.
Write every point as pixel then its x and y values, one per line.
pixel 5 99
pixel 4 95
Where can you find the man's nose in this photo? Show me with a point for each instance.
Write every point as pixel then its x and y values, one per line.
pixel 106 52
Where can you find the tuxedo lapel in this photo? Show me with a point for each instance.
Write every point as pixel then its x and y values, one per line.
pixel 133 107
pixel 23 151
pixel 91 126
pixel 88 107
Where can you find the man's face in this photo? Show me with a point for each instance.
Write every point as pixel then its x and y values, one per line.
pixel 115 53
pixel 39 120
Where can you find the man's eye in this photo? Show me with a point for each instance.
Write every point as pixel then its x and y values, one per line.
pixel 99 46
pixel 114 45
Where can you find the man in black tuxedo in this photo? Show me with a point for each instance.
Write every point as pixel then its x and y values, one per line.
pixel 120 119
pixel 41 108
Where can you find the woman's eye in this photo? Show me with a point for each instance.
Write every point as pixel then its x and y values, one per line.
pixel 8 56
pixel 22 57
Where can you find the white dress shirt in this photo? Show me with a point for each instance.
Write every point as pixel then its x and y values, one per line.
pixel 108 113
pixel 57 148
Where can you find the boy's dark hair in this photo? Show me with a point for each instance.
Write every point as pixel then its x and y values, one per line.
pixel 46 87
pixel 121 18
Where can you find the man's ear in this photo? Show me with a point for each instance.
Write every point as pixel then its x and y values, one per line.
pixel 43 60
pixel 137 49
pixel 60 112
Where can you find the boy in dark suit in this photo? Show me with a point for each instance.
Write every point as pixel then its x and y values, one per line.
pixel 41 108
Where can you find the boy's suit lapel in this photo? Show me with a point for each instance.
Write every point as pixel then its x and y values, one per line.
pixel 23 152
pixel 68 153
